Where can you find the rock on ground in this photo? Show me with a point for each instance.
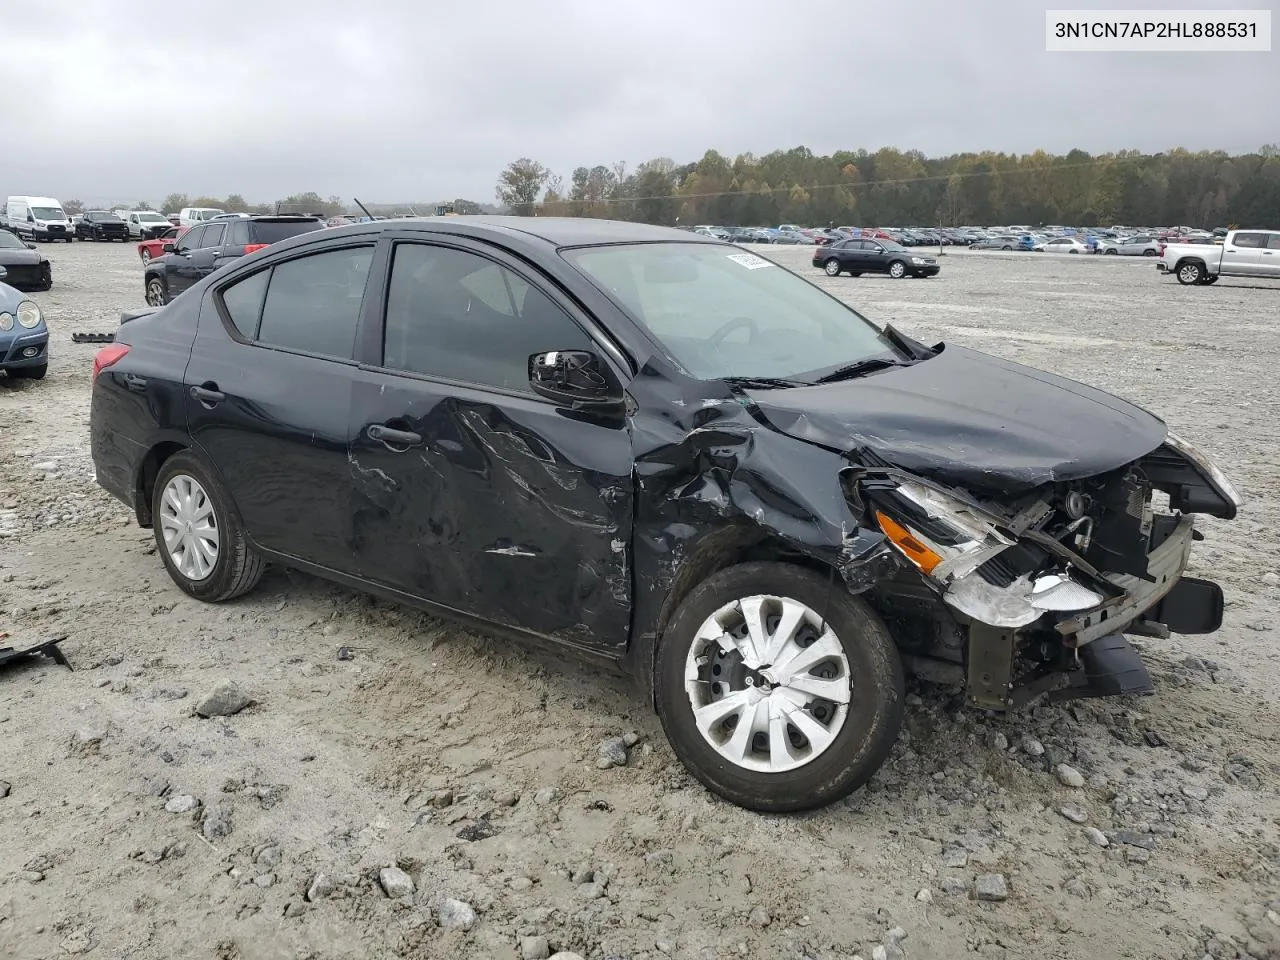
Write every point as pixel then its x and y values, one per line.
pixel 223 700
pixel 395 882
pixel 990 886
pixel 455 914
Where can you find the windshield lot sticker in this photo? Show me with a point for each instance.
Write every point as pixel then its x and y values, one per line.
pixel 750 260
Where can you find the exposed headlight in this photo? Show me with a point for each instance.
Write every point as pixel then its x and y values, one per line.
pixel 29 314
pixel 944 537
pixel 917 260
pixel 1203 461
pixel 6 321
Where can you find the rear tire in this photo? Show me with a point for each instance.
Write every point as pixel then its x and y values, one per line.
pixel 1111 253
pixel 198 533
pixel 786 771
pixel 832 267
pixel 1190 274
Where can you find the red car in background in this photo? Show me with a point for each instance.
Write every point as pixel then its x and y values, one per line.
pixel 149 249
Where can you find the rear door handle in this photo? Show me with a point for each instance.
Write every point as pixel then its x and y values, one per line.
pixel 205 395
pixel 404 438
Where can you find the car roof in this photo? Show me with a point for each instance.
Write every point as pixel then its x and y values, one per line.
pixel 558 231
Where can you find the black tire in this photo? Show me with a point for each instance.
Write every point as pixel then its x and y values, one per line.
pixel 874 713
pixel 157 292
pixel 1148 253
pixel 1111 253
pixel 238 566
pixel 1006 247
pixel 897 269
pixel 29 373
pixel 1190 273
pixel 146 256
pixel 831 267
pixel 1073 251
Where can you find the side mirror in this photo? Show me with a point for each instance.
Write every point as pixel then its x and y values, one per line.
pixel 572 377
pixel 31 246
pixel 169 247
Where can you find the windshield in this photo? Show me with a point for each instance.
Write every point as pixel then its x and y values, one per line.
pixel 151 218
pixel 8 239
pixel 721 312
pixel 48 213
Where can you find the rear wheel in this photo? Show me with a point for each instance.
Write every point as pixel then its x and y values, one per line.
pixel 777 692
pixel 1148 253
pixel 832 267
pixel 198 534
pixel 1190 273
pixel 1111 253
pixel 1006 247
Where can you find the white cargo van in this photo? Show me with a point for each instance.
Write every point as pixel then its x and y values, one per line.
pixel 39 218
pixel 190 216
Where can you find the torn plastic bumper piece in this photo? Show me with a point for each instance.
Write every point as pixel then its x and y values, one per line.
pixel 47 647
pixel 1112 668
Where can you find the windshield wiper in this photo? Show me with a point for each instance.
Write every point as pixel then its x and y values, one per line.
pixel 764 383
pixel 869 365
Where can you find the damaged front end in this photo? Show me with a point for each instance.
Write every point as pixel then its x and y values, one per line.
pixel 1016 599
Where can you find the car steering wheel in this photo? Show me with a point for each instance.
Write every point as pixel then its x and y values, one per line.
pixel 718 337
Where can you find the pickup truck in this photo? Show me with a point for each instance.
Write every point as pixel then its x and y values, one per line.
pixel 1243 253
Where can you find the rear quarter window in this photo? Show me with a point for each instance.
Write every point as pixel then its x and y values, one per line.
pixel 267 231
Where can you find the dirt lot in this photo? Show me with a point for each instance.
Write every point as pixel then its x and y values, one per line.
pixel 133 829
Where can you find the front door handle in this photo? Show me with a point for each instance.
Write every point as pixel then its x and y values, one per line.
pixel 207 395
pixel 403 438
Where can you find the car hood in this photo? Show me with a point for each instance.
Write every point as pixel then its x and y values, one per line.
pixel 13 257
pixel 969 419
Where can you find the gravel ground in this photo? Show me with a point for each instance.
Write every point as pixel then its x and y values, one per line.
pixel 431 793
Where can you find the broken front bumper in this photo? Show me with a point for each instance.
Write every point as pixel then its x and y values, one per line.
pixel 1162 602
pixel 1195 606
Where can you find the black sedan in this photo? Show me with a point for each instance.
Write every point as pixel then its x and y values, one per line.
pixel 25 266
pixel 670 455
pixel 856 257
pixel 101 225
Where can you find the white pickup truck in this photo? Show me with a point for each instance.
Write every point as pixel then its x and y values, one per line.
pixel 1254 254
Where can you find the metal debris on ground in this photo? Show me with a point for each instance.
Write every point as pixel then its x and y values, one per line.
pixel 346 653
pixel 48 648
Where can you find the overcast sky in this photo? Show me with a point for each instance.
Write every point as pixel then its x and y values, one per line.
pixel 428 99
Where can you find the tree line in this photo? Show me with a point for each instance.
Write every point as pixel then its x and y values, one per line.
pixel 895 187
pixel 300 203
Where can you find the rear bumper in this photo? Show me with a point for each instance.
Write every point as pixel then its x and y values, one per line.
pixel 1162 267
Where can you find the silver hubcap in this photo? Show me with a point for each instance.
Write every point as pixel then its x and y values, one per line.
pixel 189 526
pixel 155 294
pixel 1189 274
pixel 833 268
pixel 768 682
pixel 897 270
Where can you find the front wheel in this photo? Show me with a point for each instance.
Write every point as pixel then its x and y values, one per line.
pixel 1190 273
pixel 157 292
pixel 1111 253
pixel 198 534
pixel 832 267
pixel 146 256
pixel 776 691
pixel 897 269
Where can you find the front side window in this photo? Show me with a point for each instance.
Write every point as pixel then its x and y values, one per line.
pixel 213 235
pixel 313 303
pixel 460 316
pixel 193 239
pixel 730 314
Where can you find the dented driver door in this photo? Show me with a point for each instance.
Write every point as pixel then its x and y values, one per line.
pixel 469 490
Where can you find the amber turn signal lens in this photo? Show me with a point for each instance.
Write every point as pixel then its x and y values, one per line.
pixel 904 540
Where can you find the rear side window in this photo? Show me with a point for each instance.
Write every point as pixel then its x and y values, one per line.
pixel 243 302
pixel 313 302
pixel 1252 240
pixel 273 231
pixel 238 233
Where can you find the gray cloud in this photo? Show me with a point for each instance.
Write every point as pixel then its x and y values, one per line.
pixel 392 99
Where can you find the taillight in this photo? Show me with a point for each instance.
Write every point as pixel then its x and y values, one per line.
pixel 108 356
pixel 254 247
pixel 1161 248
